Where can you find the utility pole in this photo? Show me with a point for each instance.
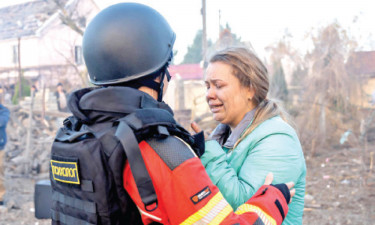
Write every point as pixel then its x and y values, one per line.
pixel 19 70
pixel 218 39
pixel 204 31
pixel 219 22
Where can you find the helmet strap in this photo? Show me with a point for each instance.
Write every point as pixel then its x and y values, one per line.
pixel 151 83
pixel 161 87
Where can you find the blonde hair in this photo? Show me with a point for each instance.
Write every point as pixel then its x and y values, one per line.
pixel 251 73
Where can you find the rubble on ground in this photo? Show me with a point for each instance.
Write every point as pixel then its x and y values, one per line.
pixel 26 158
pixel 339 190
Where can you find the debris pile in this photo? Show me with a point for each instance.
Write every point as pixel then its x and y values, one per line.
pixel 31 132
pixel 30 136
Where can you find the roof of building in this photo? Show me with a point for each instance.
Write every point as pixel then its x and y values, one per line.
pixel 24 19
pixel 187 71
pixel 361 63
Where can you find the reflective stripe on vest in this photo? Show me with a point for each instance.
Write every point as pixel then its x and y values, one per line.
pixel 267 219
pixel 214 212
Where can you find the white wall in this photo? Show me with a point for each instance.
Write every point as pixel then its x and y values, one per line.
pixel 53 44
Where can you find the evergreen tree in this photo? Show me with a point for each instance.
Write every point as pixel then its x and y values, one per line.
pixel 298 77
pixel 25 90
pixel 226 39
pixel 278 86
pixel 194 52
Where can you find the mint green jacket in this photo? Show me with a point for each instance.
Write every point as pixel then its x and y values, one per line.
pixel 271 147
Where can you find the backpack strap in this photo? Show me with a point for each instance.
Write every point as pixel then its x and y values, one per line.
pixel 137 165
pixel 160 123
pixel 138 126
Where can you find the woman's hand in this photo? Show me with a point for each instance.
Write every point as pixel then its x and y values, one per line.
pixel 269 179
pixel 199 138
pixel 195 127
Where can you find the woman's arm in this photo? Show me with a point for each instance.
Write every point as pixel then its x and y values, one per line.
pixel 239 179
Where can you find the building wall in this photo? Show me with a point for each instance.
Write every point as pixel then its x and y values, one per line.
pixel 6 53
pixel 192 96
pixel 195 98
pixel 363 97
pixel 54 44
pixel 369 90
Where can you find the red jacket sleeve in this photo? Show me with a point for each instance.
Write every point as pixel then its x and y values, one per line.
pixel 186 194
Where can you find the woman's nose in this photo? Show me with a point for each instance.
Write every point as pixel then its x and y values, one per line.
pixel 210 94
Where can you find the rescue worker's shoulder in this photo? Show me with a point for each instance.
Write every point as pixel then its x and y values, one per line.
pixel 172 150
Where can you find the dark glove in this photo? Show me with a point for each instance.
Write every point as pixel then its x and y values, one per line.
pixel 199 143
pixel 284 190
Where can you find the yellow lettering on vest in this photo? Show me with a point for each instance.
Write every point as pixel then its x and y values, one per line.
pixel 57 170
pixel 63 172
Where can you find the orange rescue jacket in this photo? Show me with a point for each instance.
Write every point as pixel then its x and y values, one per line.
pixel 186 195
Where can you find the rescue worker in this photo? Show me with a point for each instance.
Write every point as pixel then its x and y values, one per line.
pixel 127 49
pixel 4 118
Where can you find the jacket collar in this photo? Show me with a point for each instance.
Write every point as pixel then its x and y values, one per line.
pixel 226 137
pixel 240 129
pixel 93 104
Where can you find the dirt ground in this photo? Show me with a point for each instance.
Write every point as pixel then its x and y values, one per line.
pixel 340 189
pixel 337 192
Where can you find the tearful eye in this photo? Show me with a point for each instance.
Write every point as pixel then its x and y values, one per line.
pixel 218 86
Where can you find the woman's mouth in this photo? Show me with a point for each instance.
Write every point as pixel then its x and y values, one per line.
pixel 215 108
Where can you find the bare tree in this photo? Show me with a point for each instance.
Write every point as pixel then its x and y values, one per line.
pixel 326 106
pixel 76 19
pixel 70 16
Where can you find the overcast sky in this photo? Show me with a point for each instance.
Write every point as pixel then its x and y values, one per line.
pixel 262 22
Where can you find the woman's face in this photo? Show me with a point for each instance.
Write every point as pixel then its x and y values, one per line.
pixel 228 100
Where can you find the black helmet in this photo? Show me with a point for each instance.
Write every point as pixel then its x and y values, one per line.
pixel 125 42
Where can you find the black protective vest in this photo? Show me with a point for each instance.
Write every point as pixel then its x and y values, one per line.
pixel 87 162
